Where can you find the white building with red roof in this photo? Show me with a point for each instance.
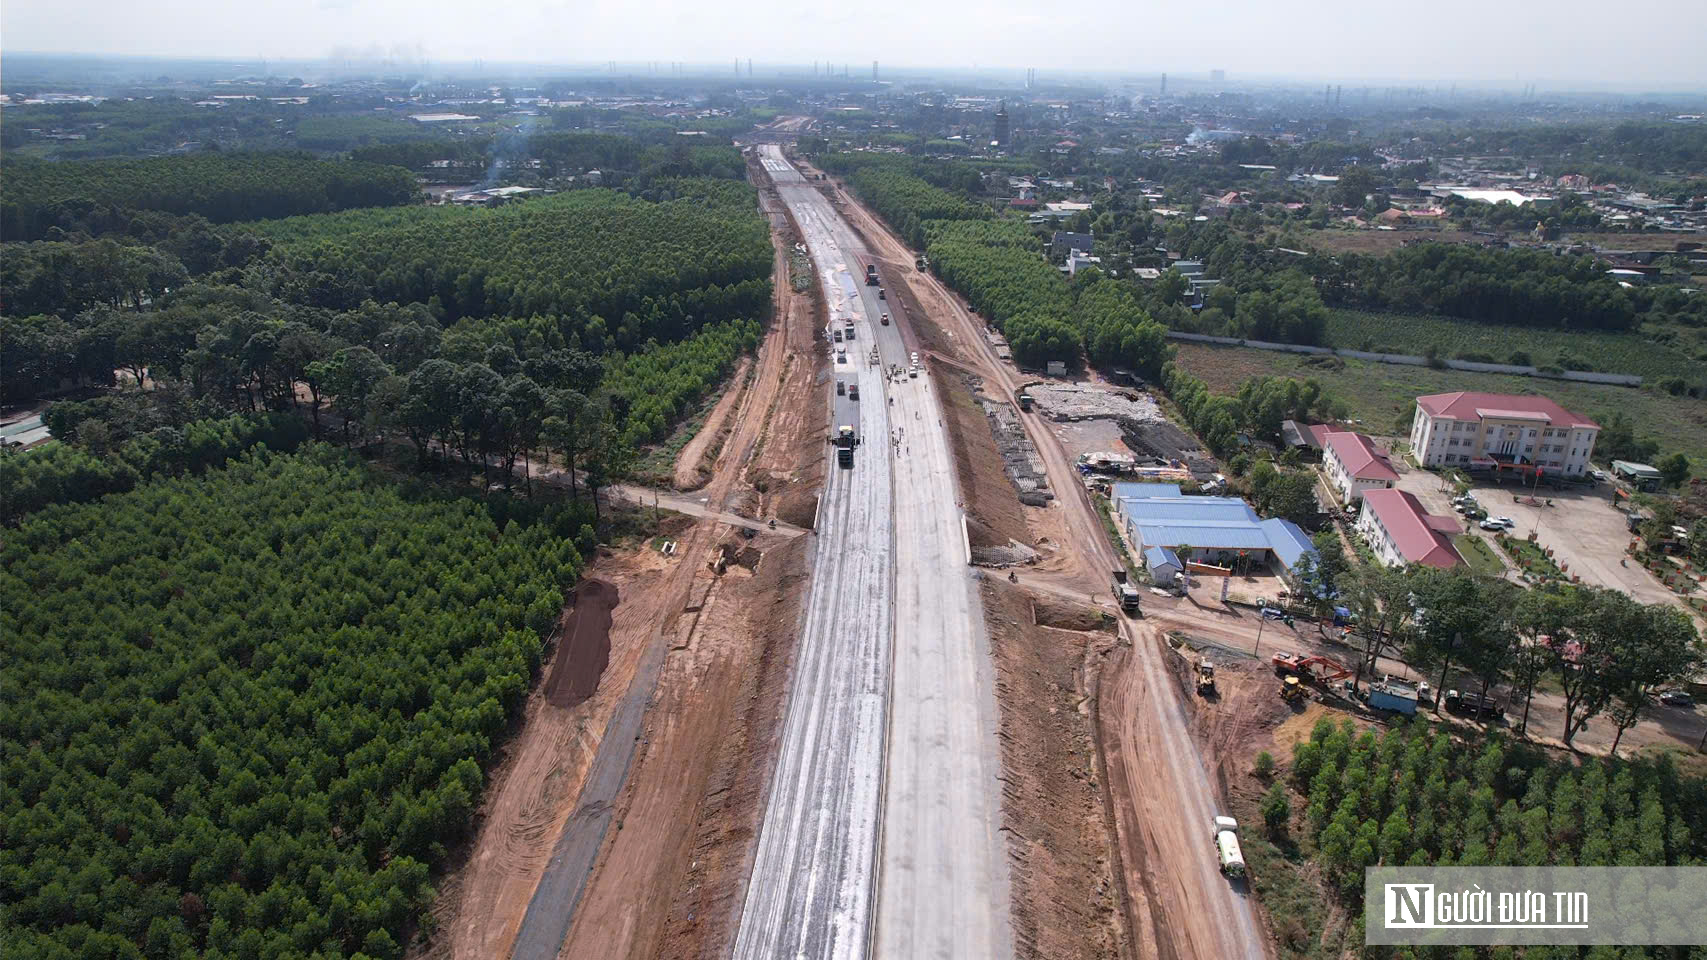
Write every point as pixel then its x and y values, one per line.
pixel 1400 532
pixel 1354 465
pixel 1498 431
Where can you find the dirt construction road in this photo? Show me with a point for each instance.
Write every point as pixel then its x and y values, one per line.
pixel 1171 804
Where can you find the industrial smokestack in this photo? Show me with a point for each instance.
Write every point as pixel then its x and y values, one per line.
pixel 874 71
pixel 1164 84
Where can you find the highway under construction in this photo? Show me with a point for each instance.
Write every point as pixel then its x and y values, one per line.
pixel 880 830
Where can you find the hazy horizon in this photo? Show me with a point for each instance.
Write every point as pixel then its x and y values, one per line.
pixel 1568 45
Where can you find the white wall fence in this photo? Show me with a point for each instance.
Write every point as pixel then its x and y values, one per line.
pixel 1581 376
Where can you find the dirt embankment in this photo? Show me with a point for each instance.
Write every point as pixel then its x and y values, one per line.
pixel 671 871
pixel 585 652
pixel 1065 899
pixel 698 459
pixel 994 516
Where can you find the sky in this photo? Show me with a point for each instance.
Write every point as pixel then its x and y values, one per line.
pixel 1555 44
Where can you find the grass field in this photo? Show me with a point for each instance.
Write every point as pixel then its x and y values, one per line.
pixel 1381 393
pixel 1479 555
pixel 1606 352
pixel 1377 242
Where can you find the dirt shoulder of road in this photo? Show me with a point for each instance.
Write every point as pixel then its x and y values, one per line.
pixel 1064 898
pixel 994 514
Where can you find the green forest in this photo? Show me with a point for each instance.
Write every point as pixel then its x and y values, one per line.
pixel 221 187
pixel 653 270
pixel 250 709
pixel 1413 795
pixel 257 680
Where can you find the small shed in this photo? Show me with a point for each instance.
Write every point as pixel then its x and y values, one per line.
pixel 1164 565
pixel 1639 475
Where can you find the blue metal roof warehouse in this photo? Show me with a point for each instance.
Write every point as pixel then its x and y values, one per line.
pixel 1216 530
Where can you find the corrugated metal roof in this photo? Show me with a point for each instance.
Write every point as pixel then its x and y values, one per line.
pixel 1125 490
pixel 1287 540
pixel 1223 535
pixel 1159 556
pixel 1190 510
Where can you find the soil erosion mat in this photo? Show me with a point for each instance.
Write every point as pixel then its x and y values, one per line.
pixel 586 653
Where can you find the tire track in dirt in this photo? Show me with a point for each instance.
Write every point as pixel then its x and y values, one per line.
pixel 690 473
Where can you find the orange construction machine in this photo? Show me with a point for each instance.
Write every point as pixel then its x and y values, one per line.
pixel 1323 670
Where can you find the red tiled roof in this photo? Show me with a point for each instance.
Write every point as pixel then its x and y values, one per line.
pixel 1320 431
pixel 1465 405
pixel 1360 457
pixel 1412 528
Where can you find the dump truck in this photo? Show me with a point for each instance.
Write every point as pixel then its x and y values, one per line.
pixel 1024 400
pixel 1125 593
pixel 871 274
pixel 919 262
pixel 1474 705
pixel 853 391
pixel 845 441
pixel 1227 852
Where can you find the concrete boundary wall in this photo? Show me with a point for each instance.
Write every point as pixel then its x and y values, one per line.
pixel 1581 376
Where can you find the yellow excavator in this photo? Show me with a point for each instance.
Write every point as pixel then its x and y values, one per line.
pixel 1205 678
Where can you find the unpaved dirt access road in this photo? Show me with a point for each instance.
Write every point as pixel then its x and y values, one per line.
pixel 865 852
pixel 1180 904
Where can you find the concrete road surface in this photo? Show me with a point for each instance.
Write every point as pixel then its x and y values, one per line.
pixel 810 893
pixel 906 863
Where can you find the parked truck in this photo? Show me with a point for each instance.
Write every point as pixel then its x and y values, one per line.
pixel 1125 593
pixel 1474 705
pixel 1227 852
pixel 845 441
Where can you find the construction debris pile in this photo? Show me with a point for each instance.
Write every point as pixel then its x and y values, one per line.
pixel 1084 401
pixel 1019 458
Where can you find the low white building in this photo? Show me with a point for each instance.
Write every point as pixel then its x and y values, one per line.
pixel 1400 532
pixel 1355 465
pixel 1499 431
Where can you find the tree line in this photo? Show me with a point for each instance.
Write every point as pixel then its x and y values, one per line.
pixel 252 707
pixel 222 187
